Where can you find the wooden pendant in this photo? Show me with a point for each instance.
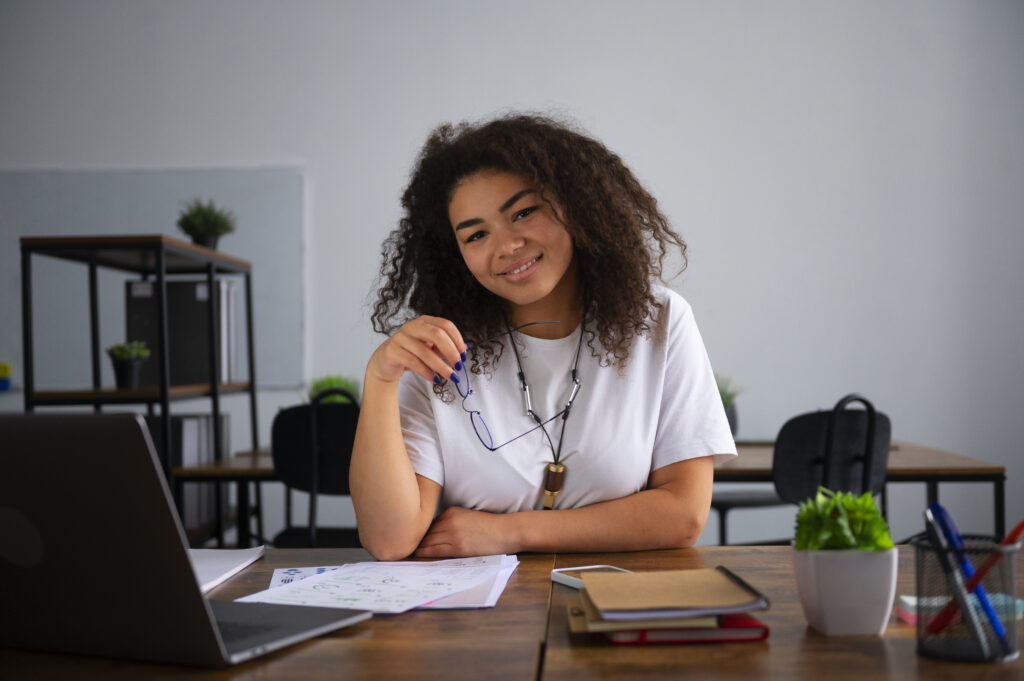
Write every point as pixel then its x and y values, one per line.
pixel 554 475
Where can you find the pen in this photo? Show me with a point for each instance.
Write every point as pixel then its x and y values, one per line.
pixel 955 579
pixel 943 619
pixel 956 540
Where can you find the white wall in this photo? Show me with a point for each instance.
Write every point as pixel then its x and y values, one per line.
pixel 849 175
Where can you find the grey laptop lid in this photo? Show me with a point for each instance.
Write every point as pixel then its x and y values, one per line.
pixel 93 559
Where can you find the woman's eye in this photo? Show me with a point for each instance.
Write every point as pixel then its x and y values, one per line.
pixel 475 236
pixel 523 213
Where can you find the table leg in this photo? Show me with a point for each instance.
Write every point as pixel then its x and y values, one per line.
pixel 1000 504
pixel 933 491
pixel 244 534
pixel 218 500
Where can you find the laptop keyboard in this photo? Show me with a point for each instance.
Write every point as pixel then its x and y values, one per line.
pixel 239 631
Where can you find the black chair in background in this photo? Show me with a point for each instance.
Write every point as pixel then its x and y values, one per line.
pixel 843 449
pixel 311 445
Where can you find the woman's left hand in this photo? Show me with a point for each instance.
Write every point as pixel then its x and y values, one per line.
pixel 460 532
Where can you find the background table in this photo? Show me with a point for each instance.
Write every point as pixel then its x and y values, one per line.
pixel 907 463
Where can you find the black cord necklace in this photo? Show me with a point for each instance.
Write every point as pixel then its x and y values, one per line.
pixel 554 472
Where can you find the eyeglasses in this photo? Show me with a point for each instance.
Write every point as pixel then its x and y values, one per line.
pixel 483 433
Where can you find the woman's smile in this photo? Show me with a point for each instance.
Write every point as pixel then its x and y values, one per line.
pixel 521 270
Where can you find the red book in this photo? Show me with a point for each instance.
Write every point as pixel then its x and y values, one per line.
pixel 731 628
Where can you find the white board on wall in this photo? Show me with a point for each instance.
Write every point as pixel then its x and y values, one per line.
pixel 268 204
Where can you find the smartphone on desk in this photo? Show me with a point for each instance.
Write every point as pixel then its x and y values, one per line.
pixel 573 576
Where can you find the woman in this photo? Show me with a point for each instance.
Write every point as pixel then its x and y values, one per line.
pixel 596 425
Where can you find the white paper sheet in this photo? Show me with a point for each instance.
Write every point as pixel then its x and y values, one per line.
pixel 394 587
pixel 213 566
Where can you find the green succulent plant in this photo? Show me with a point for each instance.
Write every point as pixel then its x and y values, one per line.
pixel 326 382
pixel 205 219
pixel 726 390
pixel 839 520
pixel 129 350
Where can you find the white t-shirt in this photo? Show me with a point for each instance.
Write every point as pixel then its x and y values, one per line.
pixel 664 408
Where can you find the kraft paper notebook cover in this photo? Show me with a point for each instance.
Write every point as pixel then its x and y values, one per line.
pixel 671 593
pixel 585 618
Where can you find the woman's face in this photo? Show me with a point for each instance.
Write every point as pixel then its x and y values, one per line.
pixel 513 241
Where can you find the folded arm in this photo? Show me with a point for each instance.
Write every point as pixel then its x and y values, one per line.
pixel 670 513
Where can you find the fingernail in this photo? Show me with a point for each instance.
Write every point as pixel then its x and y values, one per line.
pixel 437 380
pixel 455 378
pixel 458 366
pixel 463 355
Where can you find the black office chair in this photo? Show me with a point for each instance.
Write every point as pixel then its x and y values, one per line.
pixel 311 445
pixel 842 449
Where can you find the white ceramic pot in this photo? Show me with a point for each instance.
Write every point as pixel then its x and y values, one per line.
pixel 846 593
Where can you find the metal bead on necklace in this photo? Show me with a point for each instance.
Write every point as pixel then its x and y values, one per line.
pixel 554 472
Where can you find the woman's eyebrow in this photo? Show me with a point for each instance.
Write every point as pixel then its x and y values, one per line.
pixel 501 209
pixel 512 200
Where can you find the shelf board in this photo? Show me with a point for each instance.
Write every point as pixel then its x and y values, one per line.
pixel 136 253
pixel 138 396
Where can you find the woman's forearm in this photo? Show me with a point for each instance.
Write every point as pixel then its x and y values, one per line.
pixel 651 519
pixel 390 512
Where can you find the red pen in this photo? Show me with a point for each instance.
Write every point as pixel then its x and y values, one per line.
pixel 943 619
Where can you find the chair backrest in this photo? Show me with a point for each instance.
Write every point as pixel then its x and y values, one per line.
pixel 842 449
pixel 311 446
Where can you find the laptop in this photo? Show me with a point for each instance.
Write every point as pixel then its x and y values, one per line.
pixel 93 558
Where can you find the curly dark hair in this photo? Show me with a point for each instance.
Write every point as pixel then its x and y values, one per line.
pixel 619 235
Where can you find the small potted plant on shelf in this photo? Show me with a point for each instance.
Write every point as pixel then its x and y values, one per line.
pixel 205 223
pixel 127 359
pixel 728 393
pixel 326 382
pixel 844 563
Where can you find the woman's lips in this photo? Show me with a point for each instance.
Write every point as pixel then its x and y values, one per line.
pixel 521 269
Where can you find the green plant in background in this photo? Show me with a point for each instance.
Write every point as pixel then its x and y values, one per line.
pixel 129 350
pixel 726 390
pixel 325 382
pixel 198 219
pixel 839 520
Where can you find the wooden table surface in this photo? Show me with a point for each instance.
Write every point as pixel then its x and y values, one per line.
pixel 792 651
pixel 501 642
pixel 525 639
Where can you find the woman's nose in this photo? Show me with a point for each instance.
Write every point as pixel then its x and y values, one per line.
pixel 510 241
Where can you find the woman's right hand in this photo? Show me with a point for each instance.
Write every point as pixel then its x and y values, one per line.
pixel 427 346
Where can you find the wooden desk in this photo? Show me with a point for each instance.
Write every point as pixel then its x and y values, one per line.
pixel 792 651
pixel 907 463
pixel 525 639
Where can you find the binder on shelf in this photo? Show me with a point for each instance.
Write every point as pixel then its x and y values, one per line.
pixel 188 329
pixel 192 445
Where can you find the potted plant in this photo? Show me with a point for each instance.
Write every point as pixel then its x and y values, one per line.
pixel 205 223
pixel 728 393
pixel 844 563
pixel 326 382
pixel 127 359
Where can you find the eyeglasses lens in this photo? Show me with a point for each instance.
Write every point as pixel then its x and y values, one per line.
pixel 481 429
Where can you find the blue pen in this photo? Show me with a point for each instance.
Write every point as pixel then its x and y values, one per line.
pixel 956 540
